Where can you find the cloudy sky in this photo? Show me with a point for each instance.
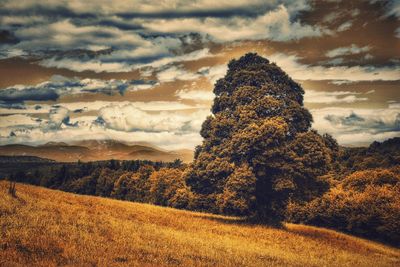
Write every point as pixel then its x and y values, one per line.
pixel 143 71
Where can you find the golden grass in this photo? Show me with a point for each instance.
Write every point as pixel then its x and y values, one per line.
pixel 45 227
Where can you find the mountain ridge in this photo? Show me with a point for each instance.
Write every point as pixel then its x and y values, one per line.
pixel 94 150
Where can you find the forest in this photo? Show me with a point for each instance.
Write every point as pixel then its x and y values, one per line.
pixel 260 159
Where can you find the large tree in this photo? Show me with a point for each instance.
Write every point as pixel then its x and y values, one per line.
pixel 258 149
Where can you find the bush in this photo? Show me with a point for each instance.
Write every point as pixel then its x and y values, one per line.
pixel 167 188
pixel 365 203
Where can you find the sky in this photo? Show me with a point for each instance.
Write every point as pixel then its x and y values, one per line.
pixel 143 71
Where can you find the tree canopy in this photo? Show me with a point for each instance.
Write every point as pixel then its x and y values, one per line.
pixel 258 149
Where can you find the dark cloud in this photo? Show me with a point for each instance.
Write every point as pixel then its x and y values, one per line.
pixel 7 37
pixel 250 11
pixel 11 105
pixel 60 85
pixel 16 95
pixel 355 122
pixel 49 11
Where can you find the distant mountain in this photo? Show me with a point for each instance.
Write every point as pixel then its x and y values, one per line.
pixel 93 150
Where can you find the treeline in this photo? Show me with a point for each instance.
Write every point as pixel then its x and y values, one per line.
pixel 364 202
pixel 159 183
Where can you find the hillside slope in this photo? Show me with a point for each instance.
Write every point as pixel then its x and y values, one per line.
pixel 94 150
pixel 47 227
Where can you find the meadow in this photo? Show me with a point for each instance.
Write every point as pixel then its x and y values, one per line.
pixel 43 227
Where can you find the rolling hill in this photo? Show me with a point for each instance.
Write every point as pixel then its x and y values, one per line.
pixel 93 150
pixel 43 227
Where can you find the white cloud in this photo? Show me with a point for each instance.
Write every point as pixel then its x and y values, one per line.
pixel 350 126
pixel 298 71
pixel 97 105
pixel 166 140
pixel 169 130
pixel 348 50
pixel 12 52
pixel 345 26
pixel 394 105
pixel 92 65
pixel 57 117
pixel 130 118
pixel 59 85
pixel 214 73
pixel 17 120
pixel 275 24
pixel 324 97
pixel 199 95
pixel 175 73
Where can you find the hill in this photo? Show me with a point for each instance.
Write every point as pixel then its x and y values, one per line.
pixel 95 150
pixel 47 227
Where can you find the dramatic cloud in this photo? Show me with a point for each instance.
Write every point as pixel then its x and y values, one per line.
pixel 291 65
pixel 358 126
pixel 129 118
pixel 273 25
pixel 167 129
pixel 146 68
pixel 118 37
pixel 59 85
pixel 150 9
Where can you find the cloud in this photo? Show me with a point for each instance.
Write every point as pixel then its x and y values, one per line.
pixel 95 106
pixel 171 129
pixel 35 136
pixel 129 118
pixel 149 9
pixel 59 85
pixel 120 50
pixel 349 50
pixel 197 95
pixel 345 26
pixel 290 64
pixel 17 120
pixel 214 73
pixel 18 94
pixel 12 52
pixel 275 24
pixel 323 97
pixel 392 8
pixel 57 117
pixel 350 126
pixel 78 65
pixel 143 33
pixel 175 73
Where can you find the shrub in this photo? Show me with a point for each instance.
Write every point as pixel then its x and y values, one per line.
pixel 365 203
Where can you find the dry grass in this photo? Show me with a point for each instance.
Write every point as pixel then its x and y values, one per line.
pixel 47 228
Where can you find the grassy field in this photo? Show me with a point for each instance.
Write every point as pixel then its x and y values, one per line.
pixel 43 227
